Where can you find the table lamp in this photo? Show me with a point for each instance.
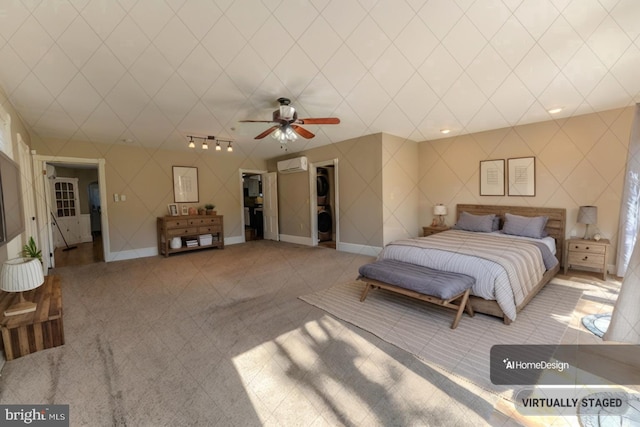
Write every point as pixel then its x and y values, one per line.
pixel 19 275
pixel 440 211
pixel 587 215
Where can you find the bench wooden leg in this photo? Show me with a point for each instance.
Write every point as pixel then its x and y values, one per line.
pixel 461 308
pixel 368 287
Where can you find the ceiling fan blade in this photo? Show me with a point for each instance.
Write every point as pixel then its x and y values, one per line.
pixel 302 132
pixel 266 132
pixel 319 121
pixel 255 121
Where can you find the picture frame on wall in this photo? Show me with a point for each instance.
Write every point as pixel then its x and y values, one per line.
pixel 185 184
pixel 173 209
pixel 492 177
pixel 522 176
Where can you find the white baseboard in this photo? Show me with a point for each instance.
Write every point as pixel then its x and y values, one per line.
pixel 299 240
pixel 132 254
pixel 358 249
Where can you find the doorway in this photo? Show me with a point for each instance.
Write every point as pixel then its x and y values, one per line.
pixel 324 206
pixel 74 190
pixel 259 205
pixel 75 201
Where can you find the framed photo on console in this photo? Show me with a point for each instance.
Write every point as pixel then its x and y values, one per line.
pixel 492 177
pixel 173 209
pixel 522 176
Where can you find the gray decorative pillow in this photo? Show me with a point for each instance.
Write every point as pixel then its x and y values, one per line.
pixel 496 224
pixel 527 226
pixel 470 222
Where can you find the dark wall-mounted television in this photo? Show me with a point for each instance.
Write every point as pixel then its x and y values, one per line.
pixel 11 206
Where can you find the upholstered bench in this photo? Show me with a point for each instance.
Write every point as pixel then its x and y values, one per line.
pixel 438 287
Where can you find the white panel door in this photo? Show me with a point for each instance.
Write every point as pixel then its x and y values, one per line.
pixel 66 210
pixel 270 205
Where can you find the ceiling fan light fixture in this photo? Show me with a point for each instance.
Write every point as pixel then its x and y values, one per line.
pixel 290 135
pixel 278 135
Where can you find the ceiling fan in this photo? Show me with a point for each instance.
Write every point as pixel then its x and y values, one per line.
pixel 287 124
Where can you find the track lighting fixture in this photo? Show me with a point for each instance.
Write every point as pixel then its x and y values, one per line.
pixel 205 142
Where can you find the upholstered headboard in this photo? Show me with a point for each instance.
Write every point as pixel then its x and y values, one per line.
pixel 556 225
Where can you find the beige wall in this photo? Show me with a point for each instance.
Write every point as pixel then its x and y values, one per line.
pixel 360 191
pixel 579 161
pixel 144 176
pixel 17 129
pixel 400 193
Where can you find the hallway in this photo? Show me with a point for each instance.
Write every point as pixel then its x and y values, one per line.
pixel 83 254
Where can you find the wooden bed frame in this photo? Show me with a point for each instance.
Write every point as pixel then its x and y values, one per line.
pixel 556 228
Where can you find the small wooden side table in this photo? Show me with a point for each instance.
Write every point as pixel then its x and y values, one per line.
pixel 433 229
pixel 587 253
pixel 41 329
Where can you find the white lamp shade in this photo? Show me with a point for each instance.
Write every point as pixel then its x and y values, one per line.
pixel 21 274
pixel 439 210
pixel 588 215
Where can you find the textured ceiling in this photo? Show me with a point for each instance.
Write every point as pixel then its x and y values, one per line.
pixel 150 72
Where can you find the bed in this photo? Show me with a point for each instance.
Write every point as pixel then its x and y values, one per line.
pixel 509 269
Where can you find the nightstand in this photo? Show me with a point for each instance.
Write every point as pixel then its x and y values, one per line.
pixel 433 229
pixel 587 253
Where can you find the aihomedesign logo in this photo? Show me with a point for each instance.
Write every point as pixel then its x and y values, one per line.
pixel 541 365
pixel 36 415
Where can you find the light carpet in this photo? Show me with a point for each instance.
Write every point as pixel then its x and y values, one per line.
pixel 424 329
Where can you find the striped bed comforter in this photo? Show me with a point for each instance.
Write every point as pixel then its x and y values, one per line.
pixel 506 269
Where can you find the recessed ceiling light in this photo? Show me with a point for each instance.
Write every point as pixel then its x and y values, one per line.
pixel 445 131
pixel 555 110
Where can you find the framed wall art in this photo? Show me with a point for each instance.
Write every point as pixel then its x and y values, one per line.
pixel 492 177
pixel 185 184
pixel 522 176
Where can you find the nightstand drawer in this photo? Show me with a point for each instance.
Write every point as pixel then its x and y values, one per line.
pixel 428 231
pixel 587 247
pixel 586 259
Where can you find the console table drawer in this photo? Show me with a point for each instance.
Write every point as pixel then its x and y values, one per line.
pixel 176 223
pixel 586 247
pixel 211 229
pixel 182 231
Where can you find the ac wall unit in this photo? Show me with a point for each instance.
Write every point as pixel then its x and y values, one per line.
pixel 299 164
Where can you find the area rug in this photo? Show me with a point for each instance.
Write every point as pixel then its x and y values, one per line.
pixel 597 323
pixel 425 331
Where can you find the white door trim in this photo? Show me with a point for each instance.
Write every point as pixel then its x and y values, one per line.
pixel 43 206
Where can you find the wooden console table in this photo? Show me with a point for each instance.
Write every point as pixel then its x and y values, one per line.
pixel 41 329
pixel 189 227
